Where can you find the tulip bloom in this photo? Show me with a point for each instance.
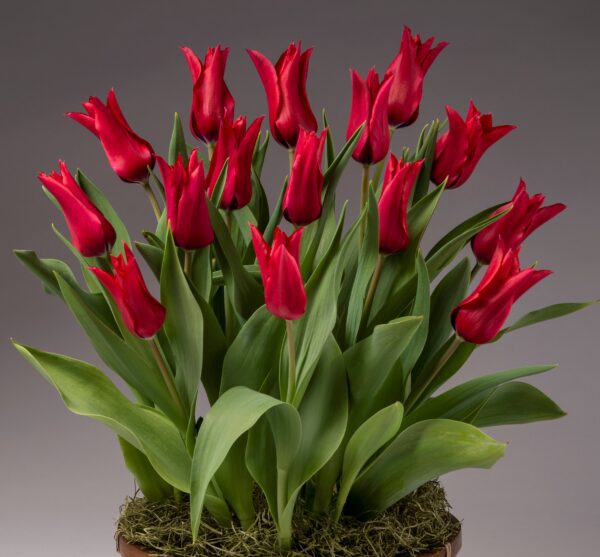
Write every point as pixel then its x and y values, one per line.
pixel 458 151
pixel 211 98
pixel 525 216
pixel 398 182
pixel 187 209
pixel 91 234
pixel 302 200
pixel 279 264
pixel 369 106
pixel 142 314
pixel 235 143
pixel 480 317
pixel 407 72
pixel 128 154
pixel 285 86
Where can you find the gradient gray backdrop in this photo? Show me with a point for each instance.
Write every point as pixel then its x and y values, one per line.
pixel 533 63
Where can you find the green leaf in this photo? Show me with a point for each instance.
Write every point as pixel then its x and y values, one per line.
pixel 133 367
pixel 234 413
pixel 425 151
pixel 336 168
pixel 217 192
pixel 245 292
pixel 152 485
pixel 177 145
pixel 367 260
pixel 184 324
pixel 153 256
pixel 462 401
pixel 254 352
pixel 368 439
pixel 329 146
pixel 202 272
pixel 516 403
pixel 546 314
pixel 260 151
pixel 276 215
pixel 99 200
pixel 437 260
pixel 86 391
pixel 421 453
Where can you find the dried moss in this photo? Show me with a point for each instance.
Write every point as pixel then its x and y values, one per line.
pixel 420 522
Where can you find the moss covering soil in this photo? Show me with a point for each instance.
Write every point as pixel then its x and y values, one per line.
pixel 419 523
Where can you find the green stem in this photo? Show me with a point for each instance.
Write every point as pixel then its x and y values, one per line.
pixel 210 147
pixel 476 268
pixel 166 374
pixel 450 351
pixel 187 262
pixel 291 158
pixel 373 288
pixel 291 346
pixel 364 197
pixel 153 200
pixel 230 317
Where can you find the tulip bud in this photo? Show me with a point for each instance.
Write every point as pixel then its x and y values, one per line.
pixel 211 99
pixel 279 264
pixel 142 314
pixel 187 209
pixel 285 86
pixel 302 200
pixel 398 182
pixel 526 215
pixel 458 151
pixel 407 72
pixel 369 106
pixel 235 143
pixel 128 154
pixel 480 316
pixel 91 234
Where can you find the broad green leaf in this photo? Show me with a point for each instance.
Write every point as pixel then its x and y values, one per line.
pixel 255 351
pixel 259 205
pixel 420 308
pixel 329 146
pixel 546 314
pixel 462 401
pixel 234 413
pixel 368 439
pixel 153 256
pixel 217 192
pixel 276 215
pixel 99 200
pixel 152 485
pixel 421 453
pixel 184 324
pixel 245 292
pixel 260 152
pixel 516 403
pixel 86 391
pixel 136 370
pixel 336 168
pixel 202 272
pixel 367 260
pixel 446 254
pixel 177 145
pixel 425 151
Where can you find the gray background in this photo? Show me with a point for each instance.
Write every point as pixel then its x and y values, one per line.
pixel 532 63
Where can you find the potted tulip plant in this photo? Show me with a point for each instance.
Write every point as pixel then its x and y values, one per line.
pixel 323 350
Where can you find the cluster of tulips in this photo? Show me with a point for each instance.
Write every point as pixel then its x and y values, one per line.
pixel 320 350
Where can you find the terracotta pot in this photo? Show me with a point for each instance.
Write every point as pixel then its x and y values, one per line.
pixel 451 549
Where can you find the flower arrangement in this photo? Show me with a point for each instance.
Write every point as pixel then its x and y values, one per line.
pixel 323 350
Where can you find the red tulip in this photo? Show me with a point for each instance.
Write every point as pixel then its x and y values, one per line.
pixel 458 151
pixel 187 209
pixel 211 98
pixel 480 316
pixel 279 264
pixel 302 200
pixel 369 106
pixel 285 86
pixel 142 313
pixel 128 154
pixel 398 182
pixel 407 72
pixel 91 233
pixel 235 143
pixel 525 216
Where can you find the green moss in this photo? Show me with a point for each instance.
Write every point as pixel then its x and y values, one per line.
pixel 420 522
